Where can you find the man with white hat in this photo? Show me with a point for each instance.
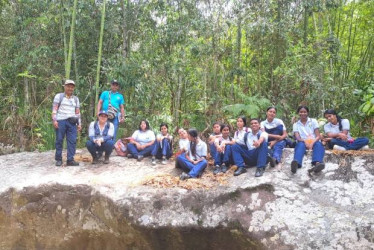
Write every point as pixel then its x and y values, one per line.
pixel 66 120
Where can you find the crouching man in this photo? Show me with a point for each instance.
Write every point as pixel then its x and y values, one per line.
pixel 100 135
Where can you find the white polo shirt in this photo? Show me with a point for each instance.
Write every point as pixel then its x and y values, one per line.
pixel 306 130
pixel 201 150
pixel 275 123
pixel 67 107
pixel 254 137
pixel 184 144
pixel 143 137
pixel 239 135
pixel 331 128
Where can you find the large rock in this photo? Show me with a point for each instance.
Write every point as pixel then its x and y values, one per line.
pixel 131 205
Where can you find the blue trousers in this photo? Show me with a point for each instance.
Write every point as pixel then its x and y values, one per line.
pixel 131 148
pixel 70 130
pixel 194 169
pixel 317 156
pixel 164 150
pixel 277 150
pixel 357 144
pixel 106 147
pixel 115 124
pixel 225 157
pixel 213 150
pixel 255 157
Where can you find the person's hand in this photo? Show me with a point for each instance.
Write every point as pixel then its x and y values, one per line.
pixel 256 144
pixel 55 124
pixel 122 119
pixel 343 136
pixel 271 144
pixel 79 127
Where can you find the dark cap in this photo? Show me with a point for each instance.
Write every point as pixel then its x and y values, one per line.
pixel 103 112
pixel 114 82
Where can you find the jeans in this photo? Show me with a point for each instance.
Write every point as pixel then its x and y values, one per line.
pixel 115 124
pixel 317 156
pixel 131 148
pixel 194 169
pixel 277 150
pixel 164 150
pixel 225 157
pixel 357 144
pixel 255 157
pixel 106 147
pixel 70 130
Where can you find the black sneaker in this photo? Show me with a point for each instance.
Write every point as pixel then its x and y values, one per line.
pixel 272 161
pixel 95 160
pixel 164 160
pixel 184 176
pixel 317 168
pixel 140 157
pixel 129 156
pixel 58 163
pixel 294 166
pixel 106 160
pixel 259 172
pixel 153 161
pixel 72 163
pixel 217 169
pixel 224 168
pixel 240 171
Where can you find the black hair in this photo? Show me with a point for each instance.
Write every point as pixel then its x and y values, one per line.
pixel 333 112
pixel 146 123
pixel 302 107
pixel 224 126
pixel 220 124
pixel 244 120
pixel 193 132
pixel 271 107
pixel 164 124
pixel 255 119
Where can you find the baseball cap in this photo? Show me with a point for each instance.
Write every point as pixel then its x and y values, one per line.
pixel 69 82
pixel 114 82
pixel 103 112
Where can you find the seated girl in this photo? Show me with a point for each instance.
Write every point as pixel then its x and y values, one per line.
pixel 241 123
pixel 212 137
pixel 276 135
pixel 338 136
pixel 141 142
pixel 194 160
pixel 163 146
pixel 306 131
pixel 223 157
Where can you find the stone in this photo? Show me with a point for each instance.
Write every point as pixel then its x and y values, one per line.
pixel 131 205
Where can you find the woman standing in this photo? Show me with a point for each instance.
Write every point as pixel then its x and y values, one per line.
pixel 141 142
pixel 277 133
pixel 194 160
pixel 307 135
pixel 338 136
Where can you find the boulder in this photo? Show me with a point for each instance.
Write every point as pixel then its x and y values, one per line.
pixel 134 205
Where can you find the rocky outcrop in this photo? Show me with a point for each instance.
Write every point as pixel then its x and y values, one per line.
pixel 133 205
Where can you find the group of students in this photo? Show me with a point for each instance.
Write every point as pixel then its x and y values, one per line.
pixel 257 145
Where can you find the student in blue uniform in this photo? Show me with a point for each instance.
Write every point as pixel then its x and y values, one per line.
pixel 241 124
pixel 306 132
pixel 277 133
pixel 141 142
pixel 338 136
pixel 194 160
pixel 215 135
pixel 100 135
pixel 223 158
pixel 256 152
pixel 163 145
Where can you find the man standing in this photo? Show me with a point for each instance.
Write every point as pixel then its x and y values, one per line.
pixel 66 118
pixel 113 102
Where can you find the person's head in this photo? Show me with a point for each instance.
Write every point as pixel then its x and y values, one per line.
pixel 114 86
pixel 182 133
pixel 143 125
pixel 271 112
pixel 192 134
pixel 216 128
pixel 69 87
pixel 164 128
pixel 303 112
pixel 331 116
pixel 103 116
pixel 255 124
pixel 225 130
pixel 241 122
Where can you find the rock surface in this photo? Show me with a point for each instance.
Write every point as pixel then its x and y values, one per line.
pixel 133 205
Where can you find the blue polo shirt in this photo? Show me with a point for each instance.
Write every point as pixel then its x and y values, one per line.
pixel 116 99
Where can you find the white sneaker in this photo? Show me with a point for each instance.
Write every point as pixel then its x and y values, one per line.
pixel 366 147
pixel 337 147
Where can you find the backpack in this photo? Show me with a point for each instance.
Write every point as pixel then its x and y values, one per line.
pixel 246 137
pixel 61 97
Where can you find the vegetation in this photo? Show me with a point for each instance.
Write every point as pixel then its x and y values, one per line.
pixel 186 62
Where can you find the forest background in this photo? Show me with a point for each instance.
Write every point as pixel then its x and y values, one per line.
pixel 185 62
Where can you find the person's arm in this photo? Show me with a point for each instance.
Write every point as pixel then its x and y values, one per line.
pixel 298 137
pixel 122 118
pixel 54 111
pixel 91 132
pixel 99 105
pixel 263 138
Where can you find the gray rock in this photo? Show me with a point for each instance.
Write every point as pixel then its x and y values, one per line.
pixel 133 205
